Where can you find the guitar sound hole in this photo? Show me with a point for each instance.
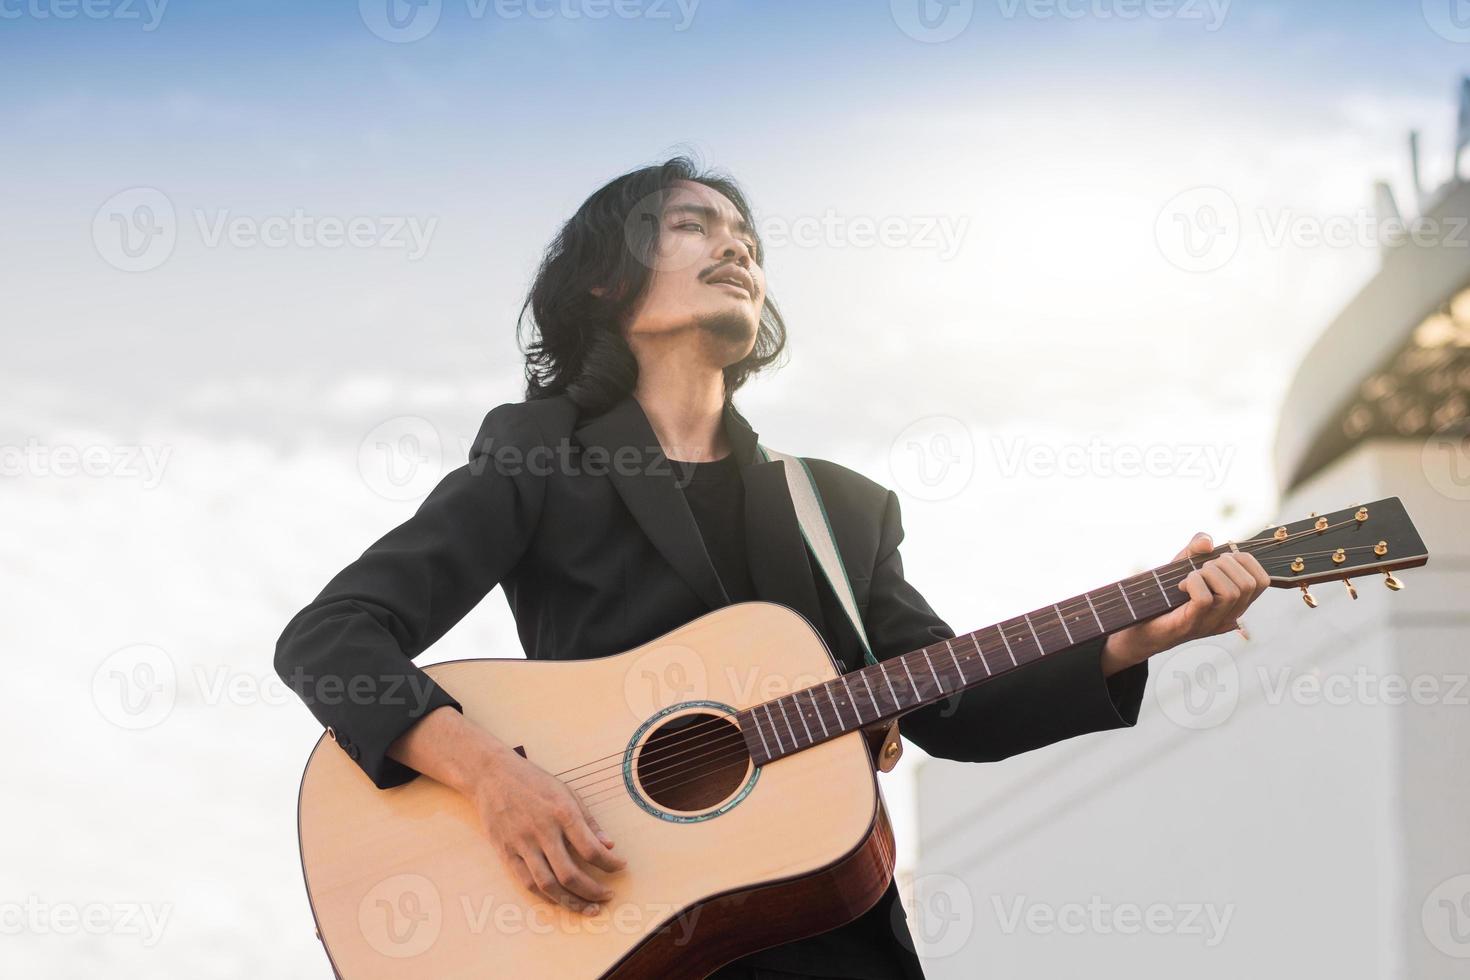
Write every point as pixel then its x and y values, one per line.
pixel 692 762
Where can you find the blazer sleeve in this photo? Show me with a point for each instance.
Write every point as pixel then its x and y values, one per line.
pixel 1055 698
pixel 349 653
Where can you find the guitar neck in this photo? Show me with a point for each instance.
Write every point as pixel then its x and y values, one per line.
pixel 898 685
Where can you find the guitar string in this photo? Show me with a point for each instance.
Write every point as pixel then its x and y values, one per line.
pixel 692 734
pixel 734 738
pixel 731 753
pixel 724 752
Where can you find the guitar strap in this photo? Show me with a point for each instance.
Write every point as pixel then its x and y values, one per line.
pixel 817 529
pixel 884 741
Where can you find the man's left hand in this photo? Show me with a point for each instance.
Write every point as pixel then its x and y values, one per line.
pixel 1219 592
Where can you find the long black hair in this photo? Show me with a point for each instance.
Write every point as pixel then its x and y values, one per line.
pixel 577 346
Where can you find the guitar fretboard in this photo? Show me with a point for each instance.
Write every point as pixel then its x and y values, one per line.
pixel 898 685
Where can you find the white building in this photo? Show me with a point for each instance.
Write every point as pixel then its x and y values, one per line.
pixel 1297 805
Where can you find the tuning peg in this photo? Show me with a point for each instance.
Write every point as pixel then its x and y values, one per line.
pixel 1308 598
pixel 1392 582
pixel 1352 589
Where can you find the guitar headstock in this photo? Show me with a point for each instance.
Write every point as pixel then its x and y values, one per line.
pixel 1371 538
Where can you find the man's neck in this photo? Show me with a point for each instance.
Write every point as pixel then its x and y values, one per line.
pixel 687 415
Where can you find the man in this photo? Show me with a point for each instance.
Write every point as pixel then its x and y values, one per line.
pixel 649 311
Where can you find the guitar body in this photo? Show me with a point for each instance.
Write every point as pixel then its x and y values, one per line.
pixel 723 858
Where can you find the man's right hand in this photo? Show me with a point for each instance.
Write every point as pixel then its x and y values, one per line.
pixel 542 831
pixel 545 835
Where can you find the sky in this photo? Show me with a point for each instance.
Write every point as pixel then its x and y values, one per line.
pixel 1048 268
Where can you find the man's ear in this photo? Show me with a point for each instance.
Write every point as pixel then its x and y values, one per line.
pixel 597 291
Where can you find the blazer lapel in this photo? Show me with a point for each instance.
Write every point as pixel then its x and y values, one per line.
pixel 630 453
pixel 650 488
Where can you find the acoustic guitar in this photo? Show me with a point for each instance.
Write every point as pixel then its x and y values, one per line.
pixel 732 762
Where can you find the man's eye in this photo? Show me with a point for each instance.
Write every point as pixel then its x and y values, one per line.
pixel 689 224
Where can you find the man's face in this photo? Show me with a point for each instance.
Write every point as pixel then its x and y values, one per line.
pixel 704 244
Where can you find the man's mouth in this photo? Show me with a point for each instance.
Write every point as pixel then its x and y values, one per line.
pixel 734 277
pixel 735 286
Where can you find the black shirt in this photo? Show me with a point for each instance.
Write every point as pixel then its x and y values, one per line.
pixel 864 948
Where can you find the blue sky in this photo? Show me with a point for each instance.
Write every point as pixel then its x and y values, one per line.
pixel 1058 318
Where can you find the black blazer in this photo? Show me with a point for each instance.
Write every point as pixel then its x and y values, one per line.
pixel 582 523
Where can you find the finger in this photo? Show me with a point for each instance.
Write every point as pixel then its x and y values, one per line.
pixel 1252 564
pixel 1198 606
pixel 590 844
pixel 1226 594
pixel 518 869
pixel 1200 544
pixel 550 886
pixel 573 877
pixel 1243 580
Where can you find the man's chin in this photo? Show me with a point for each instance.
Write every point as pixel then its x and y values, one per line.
pixel 732 326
